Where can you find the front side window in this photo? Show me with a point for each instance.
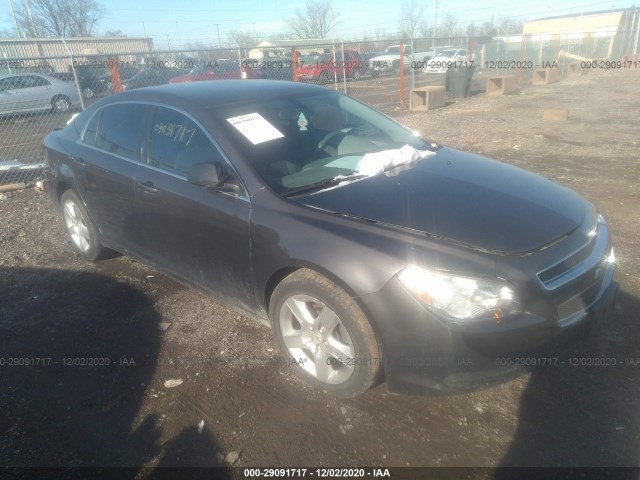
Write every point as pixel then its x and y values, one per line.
pixel 177 143
pixel 120 130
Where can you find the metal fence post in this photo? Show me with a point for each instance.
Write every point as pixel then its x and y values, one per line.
pixel 73 69
pixel 344 71
pixel 413 62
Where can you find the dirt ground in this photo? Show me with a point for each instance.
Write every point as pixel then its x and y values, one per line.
pixel 140 329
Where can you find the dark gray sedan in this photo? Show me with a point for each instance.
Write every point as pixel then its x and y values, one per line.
pixel 370 251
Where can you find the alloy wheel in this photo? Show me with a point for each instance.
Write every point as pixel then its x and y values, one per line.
pixel 76 225
pixel 317 339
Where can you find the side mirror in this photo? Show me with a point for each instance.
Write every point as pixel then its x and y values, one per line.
pixel 208 175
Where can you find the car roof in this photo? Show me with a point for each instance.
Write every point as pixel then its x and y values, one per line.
pixel 219 92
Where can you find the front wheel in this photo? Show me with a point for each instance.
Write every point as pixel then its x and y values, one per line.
pixel 324 335
pixel 83 233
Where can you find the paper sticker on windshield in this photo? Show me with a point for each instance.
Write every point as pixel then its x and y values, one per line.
pixel 255 128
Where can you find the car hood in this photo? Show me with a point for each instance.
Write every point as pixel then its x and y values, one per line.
pixel 466 198
pixel 441 59
pixel 385 58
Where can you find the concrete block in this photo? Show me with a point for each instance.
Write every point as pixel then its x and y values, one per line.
pixel 544 76
pixel 555 115
pixel 501 85
pixel 574 69
pixel 427 98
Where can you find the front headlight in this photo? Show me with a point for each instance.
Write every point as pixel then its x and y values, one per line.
pixel 463 298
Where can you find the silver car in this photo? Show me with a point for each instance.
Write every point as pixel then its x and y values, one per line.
pixel 31 92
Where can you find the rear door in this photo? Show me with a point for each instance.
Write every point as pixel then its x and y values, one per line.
pixel 198 234
pixel 109 157
pixel 37 92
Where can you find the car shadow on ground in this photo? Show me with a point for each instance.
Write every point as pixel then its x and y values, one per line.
pixel 78 352
pixel 582 413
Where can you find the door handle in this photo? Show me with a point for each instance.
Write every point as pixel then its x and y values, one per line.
pixel 147 187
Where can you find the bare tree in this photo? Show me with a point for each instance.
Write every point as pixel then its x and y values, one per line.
pixel 316 21
pixel 411 18
pixel 244 38
pixel 487 30
pixel 114 33
pixel 450 24
pixel 471 30
pixel 58 18
pixel 509 26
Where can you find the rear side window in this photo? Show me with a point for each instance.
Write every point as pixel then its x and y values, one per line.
pixel 177 143
pixel 120 129
pixel 92 130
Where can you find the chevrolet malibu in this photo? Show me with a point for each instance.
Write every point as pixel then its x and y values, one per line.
pixel 373 254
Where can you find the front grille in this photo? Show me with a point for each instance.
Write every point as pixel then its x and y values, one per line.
pixel 567 264
pixel 579 262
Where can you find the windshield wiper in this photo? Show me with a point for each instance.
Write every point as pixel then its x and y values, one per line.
pixel 329 182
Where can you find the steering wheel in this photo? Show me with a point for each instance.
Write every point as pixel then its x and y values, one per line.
pixel 329 136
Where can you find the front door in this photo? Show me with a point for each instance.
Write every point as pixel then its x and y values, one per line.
pixel 198 234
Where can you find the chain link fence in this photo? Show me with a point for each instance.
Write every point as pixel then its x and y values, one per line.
pixel 40 93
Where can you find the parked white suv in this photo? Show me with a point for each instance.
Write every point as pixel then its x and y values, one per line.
pixel 447 58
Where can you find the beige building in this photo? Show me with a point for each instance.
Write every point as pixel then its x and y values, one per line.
pixel 595 24
pixel 26 52
pixel 605 34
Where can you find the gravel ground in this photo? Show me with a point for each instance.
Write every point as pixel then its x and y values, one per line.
pixel 154 333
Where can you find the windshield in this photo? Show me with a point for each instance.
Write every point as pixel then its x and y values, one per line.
pixel 447 53
pixel 304 141
pixel 198 70
pixel 392 50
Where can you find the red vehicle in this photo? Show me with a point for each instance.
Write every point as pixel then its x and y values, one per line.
pixel 324 68
pixel 213 71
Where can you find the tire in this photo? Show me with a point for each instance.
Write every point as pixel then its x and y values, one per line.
pixel 356 75
pixel 375 74
pixel 87 92
pixel 396 67
pixel 60 104
pixel 81 230
pixel 324 335
pixel 323 79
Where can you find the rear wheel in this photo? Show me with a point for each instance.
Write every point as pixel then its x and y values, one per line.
pixel 83 233
pixel 88 92
pixel 60 104
pixel 324 335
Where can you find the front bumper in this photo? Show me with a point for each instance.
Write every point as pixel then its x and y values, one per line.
pixel 422 352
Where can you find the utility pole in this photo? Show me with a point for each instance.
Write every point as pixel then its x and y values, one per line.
pixel 33 26
pixel 218 28
pixel 435 26
pixel 13 14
